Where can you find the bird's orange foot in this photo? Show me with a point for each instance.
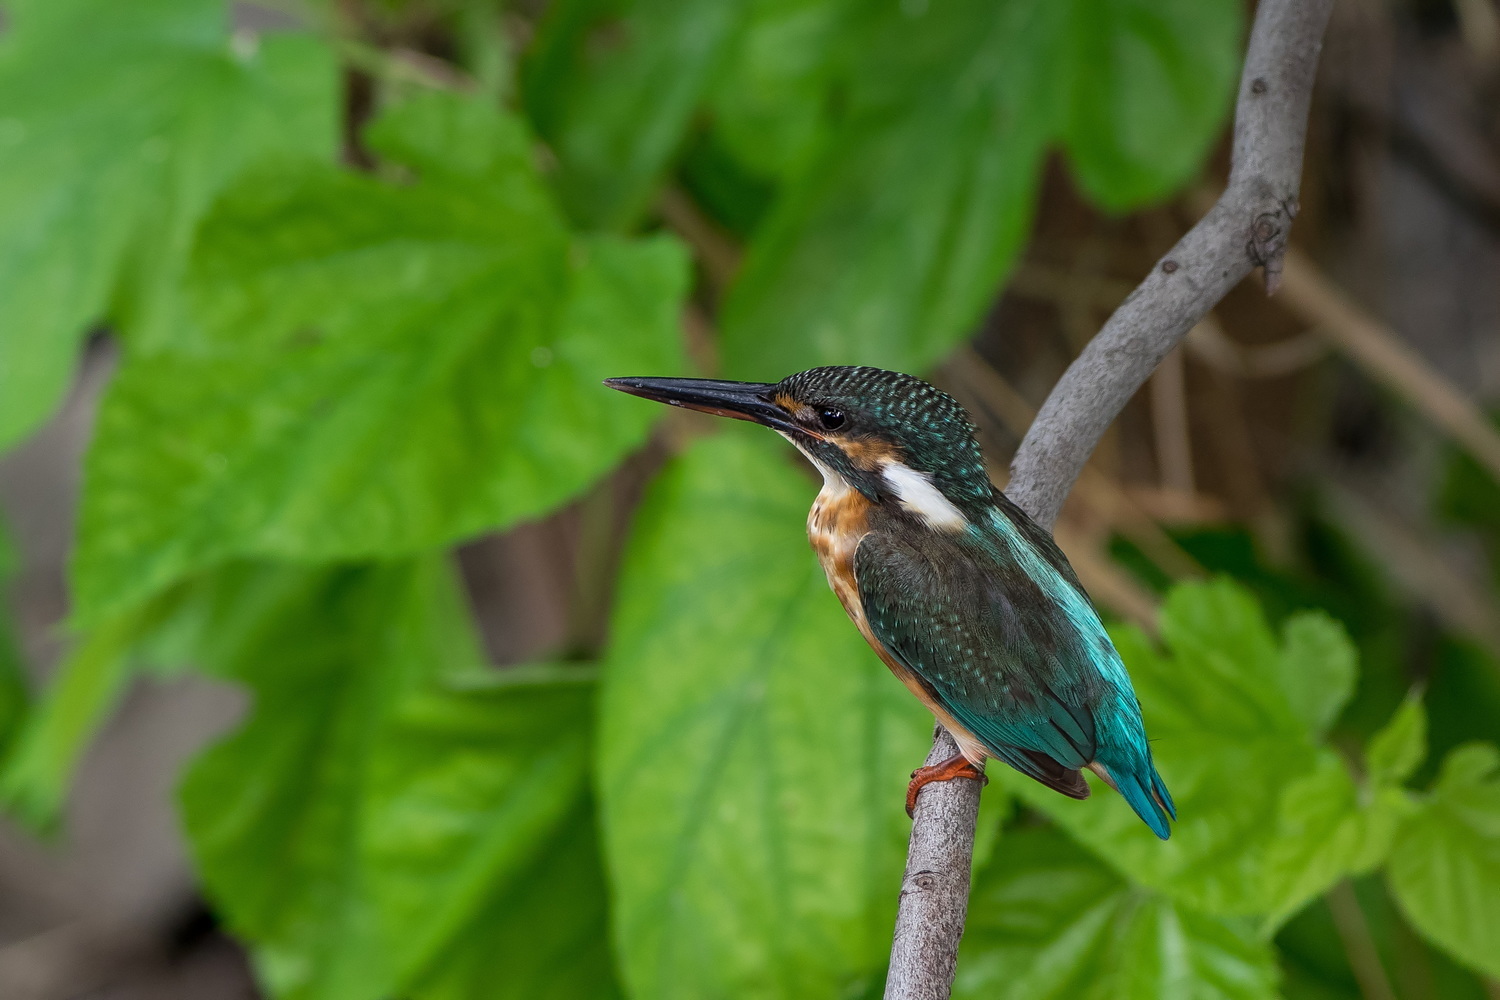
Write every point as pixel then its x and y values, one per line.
pixel 957 766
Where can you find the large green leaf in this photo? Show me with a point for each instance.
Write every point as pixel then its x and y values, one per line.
pixel 1329 828
pixel 1151 81
pixel 894 237
pixel 752 750
pixel 1325 829
pixel 552 914
pixel 1046 920
pixel 393 819
pixel 773 96
pixel 887 247
pixel 118 124
pixel 1235 723
pixel 199 624
pixel 909 136
pixel 1445 868
pixel 612 85
pixel 382 367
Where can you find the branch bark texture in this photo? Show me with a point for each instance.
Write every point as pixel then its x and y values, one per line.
pixel 1247 228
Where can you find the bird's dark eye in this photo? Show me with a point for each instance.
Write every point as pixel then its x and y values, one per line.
pixel 831 419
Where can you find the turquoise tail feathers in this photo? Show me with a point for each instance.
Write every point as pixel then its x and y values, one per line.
pixel 1147 794
pixel 1162 795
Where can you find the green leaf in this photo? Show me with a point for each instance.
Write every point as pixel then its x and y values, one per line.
pixel 1445 868
pixel 771 100
pixel 482 830
pixel 1151 82
pixel 15 695
pixel 752 750
pixel 10 559
pixel 891 241
pixel 1324 833
pixel 198 624
pixel 1046 920
pixel 910 139
pixel 47 747
pixel 1318 668
pixel 1298 687
pixel 552 913
pixel 1234 729
pixel 392 815
pixel 382 367
pixel 118 124
pixel 1395 753
pixel 612 85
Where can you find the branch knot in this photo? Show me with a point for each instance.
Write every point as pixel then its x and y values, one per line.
pixel 1268 241
pixel 923 881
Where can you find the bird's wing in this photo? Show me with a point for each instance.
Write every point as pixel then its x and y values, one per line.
pixel 1040 539
pixel 993 647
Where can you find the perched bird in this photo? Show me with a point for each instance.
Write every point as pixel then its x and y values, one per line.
pixel 967 600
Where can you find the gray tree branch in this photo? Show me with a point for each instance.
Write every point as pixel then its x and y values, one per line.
pixel 1247 228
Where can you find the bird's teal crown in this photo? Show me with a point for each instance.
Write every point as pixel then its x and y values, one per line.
pixel 928 429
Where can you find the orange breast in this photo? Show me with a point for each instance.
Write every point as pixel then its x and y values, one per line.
pixel 838 521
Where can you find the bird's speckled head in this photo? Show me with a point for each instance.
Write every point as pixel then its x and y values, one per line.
pixel 859 420
pixel 883 433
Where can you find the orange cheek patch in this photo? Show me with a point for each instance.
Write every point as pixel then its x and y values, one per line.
pixel 869 453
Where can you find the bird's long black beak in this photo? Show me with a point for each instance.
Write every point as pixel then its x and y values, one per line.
pixel 740 400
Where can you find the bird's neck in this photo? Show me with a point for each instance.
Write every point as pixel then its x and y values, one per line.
pixel 946 500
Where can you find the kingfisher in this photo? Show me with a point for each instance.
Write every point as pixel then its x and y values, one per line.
pixel 965 598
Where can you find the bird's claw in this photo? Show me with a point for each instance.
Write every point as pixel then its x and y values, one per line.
pixel 956 766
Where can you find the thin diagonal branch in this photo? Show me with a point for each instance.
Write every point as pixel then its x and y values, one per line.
pixel 1247 228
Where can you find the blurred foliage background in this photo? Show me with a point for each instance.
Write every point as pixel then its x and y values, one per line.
pixel 362 646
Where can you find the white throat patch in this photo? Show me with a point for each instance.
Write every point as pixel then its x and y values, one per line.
pixel 917 494
pixel 833 483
